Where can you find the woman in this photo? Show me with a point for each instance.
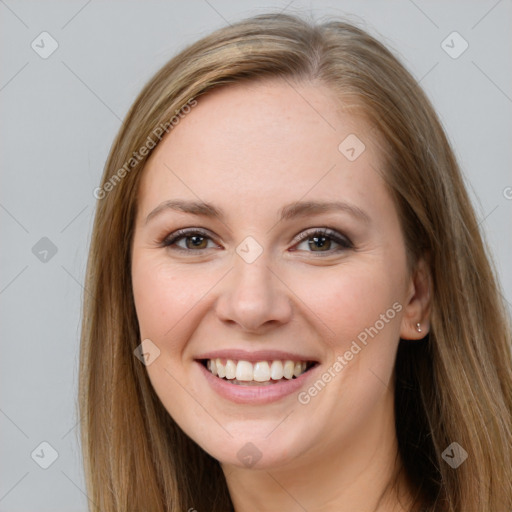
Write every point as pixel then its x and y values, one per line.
pixel 225 363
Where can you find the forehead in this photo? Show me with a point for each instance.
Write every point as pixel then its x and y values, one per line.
pixel 256 142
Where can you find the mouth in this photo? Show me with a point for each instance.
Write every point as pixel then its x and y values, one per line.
pixel 260 373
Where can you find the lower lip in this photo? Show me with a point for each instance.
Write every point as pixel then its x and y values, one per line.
pixel 255 394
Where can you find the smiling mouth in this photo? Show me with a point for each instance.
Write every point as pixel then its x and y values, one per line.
pixel 261 373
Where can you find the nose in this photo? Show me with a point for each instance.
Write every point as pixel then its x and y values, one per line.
pixel 253 297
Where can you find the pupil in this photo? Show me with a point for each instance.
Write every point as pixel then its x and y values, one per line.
pixel 319 242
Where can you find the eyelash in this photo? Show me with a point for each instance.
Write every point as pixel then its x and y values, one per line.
pixel 343 241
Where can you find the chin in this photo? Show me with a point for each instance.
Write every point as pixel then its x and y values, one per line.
pixel 246 451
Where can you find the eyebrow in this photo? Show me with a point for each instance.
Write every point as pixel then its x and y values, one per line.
pixel 288 212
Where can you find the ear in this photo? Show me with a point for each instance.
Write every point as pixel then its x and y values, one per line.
pixel 417 309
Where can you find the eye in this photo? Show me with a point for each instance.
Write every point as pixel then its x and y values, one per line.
pixel 322 240
pixel 317 240
pixel 191 240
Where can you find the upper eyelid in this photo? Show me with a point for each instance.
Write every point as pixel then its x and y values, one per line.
pixel 324 230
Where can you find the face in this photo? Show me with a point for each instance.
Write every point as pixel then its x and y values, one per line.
pixel 263 236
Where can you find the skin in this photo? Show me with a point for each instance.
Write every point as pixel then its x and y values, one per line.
pixel 251 149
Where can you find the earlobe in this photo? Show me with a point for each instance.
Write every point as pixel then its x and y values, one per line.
pixel 416 317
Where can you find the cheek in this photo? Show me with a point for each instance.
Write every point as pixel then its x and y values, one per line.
pixel 164 295
pixel 167 302
pixel 354 303
pixel 359 306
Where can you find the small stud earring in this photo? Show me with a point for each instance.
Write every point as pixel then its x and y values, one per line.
pixel 418 327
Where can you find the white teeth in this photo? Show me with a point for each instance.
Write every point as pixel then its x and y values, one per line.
pixel 212 366
pixel 244 371
pixel 230 369
pixel 221 369
pixel 261 371
pixel 276 370
pixel 288 368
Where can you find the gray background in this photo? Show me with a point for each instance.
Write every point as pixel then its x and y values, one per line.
pixel 60 115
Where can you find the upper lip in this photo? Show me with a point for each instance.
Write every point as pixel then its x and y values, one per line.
pixel 255 356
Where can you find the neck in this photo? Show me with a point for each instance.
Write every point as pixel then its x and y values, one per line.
pixel 358 475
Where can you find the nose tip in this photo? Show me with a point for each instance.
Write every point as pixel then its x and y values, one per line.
pixel 253 297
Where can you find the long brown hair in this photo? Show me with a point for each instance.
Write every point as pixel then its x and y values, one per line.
pixel 453 386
